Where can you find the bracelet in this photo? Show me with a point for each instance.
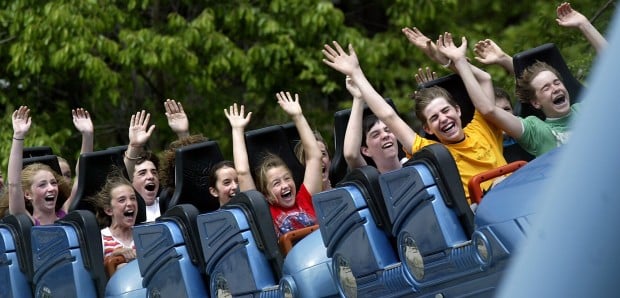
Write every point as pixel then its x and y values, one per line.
pixel 17 139
pixel 447 64
pixel 132 158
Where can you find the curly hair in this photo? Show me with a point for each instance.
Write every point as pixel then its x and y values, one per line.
pixel 524 89
pixel 166 170
pixel 28 173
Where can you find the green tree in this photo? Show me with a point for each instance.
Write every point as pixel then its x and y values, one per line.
pixel 117 57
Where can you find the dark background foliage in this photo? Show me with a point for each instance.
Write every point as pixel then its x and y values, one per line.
pixel 117 57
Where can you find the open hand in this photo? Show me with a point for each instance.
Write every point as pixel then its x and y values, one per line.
pixel 138 132
pixel 177 119
pixel 21 122
pixel 82 121
pixel 236 116
pixel 338 59
pixel 288 104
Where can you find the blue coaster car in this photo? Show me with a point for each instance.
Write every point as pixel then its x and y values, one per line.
pixel 243 258
pixel 410 232
pixel 15 256
pixel 68 257
pixel 169 259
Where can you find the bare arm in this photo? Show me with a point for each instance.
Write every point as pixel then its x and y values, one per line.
pixel 313 179
pixel 348 64
pixel 568 17
pixel 84 124
pixel 138 136
pixel 353 134
pixel 177 119
pixel 485 105
pixel 21 125
pixel 238 122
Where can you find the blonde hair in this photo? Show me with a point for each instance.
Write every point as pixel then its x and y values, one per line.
pixel 27 175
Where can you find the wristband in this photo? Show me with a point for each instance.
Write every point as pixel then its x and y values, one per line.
pixel 17 139
pixel 131 158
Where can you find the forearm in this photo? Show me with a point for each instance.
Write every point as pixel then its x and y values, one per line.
pixel 131 156
pixel 353 136
pixel 486 83
pixel 240 157
pixel 474 90
pixel 312 174
pixel 373 99
pixel 596 39
pixel 16 194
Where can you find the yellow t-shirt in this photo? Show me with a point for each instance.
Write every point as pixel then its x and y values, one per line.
pixel 481 150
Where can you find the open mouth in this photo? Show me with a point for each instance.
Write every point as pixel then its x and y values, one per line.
pixel 387 145
pixel 150 186
pixel 50 198
pixel 559 99
pixel 448 127
pixel 286 195
pixel 129 213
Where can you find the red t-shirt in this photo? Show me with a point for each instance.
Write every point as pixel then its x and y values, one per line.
pixel 298 216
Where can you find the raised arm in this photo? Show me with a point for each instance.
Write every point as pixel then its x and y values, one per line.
pixel 488 52
pixel 348 64
pixel 238 122
pixel 21 126
pixel 177 119
pixel 568 17
pixel 84 124
pixel 313 179
pixel 426 45
pixel 138 136
pixel 353 133
pixel 481 100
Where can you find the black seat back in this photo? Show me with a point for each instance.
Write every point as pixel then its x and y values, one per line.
pixel 551 55
pixel 91 247
pixel 443 167
pixel 339 168
pixel 49 160
pixel 277 140
pixel 192 165
pixel 256 209
pixel 455 86
pixel 20 226
pixel 37 151
pixel 94 168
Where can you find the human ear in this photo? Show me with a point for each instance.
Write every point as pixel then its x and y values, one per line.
pixel 213 191
pixel 364 151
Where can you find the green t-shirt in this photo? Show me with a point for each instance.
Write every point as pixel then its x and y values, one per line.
pixel 541 136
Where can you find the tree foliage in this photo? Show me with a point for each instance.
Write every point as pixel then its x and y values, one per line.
pixel 117 57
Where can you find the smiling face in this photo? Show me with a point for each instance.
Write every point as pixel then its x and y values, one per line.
pixel 146 181
pixel 43 192
pixel 444 121
pixel 325 162
pixel 380 143
pixel 551 95
pixel 281 186
pixel 123 206
pixel 226 184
